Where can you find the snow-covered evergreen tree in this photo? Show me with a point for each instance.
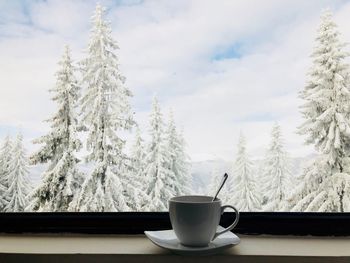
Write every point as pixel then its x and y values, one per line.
pixel 138 153
pixel 5 159
pixel 178 159
pixel 327 124
pixel 326 109
pixel 136 182
pixel 183 166
pixel 106 113
pixel 134 191
pixel 215 180
pixel 159 176
pixel 244 193
pixel 61 180
pixel 302 194
pixel 18 180
pixel 277 178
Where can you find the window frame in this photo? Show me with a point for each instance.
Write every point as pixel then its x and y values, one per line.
pixel 253 223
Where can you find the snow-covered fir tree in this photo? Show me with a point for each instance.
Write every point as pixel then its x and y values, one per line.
pixel 19 185
pixel 326 111
pixel 138 153
pixel 61 180
pixel 184 166
pixel 159 176
pixel 244 192
pixel 136 196
pixel 302 194
pixel 134 191
pixel 5 159
pixel 276 178
pixel 106 113
pixel 215 180
pixel 178 159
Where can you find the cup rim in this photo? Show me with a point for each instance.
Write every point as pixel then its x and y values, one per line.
pixel 179 199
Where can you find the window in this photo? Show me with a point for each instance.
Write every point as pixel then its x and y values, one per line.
pixel 148 100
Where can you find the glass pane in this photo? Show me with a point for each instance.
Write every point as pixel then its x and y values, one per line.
pixel 146 100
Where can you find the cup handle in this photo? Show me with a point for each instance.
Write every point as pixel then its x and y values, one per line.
pixel 232 225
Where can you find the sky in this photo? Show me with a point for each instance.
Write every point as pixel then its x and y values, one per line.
pixel 223 67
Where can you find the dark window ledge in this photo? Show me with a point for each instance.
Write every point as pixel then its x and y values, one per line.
pixel 316 224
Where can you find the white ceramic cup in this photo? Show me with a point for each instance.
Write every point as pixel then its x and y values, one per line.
pixel 195 219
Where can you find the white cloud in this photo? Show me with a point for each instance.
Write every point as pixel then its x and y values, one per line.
pixel 64 17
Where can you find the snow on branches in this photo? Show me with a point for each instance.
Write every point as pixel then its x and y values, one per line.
pixel 106 113
pixel 276 177
pixel 325 184
pixel 5 160
pixel 19 185
pixel 160 177
pixel 243 190
pixel 61 180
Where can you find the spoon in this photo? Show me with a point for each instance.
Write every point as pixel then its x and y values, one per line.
pixel 223 181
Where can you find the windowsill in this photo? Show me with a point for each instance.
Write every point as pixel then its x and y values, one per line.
pixel 75 248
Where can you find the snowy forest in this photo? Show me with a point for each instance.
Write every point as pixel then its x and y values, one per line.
pixel 93 114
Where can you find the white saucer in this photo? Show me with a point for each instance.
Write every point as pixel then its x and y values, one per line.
pixel 168 240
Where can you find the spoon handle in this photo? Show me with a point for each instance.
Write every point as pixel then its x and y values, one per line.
pixel 221 185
